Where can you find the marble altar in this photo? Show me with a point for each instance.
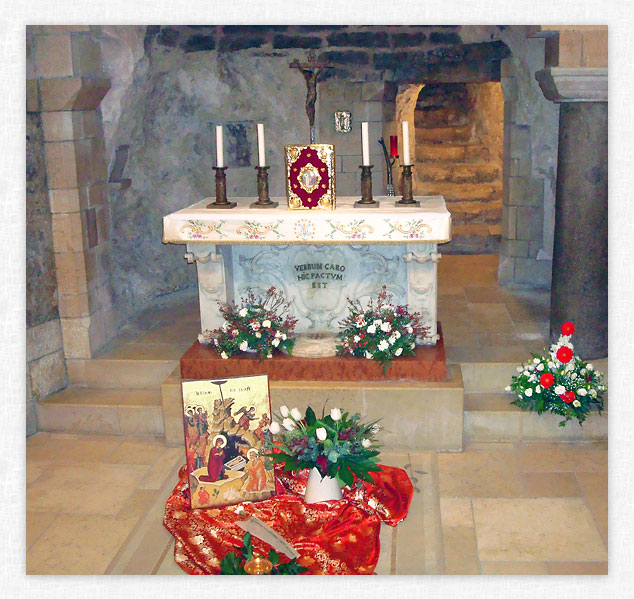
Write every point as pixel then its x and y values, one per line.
pixel 317 258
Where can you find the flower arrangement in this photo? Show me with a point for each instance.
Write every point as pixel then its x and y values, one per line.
pixel 337 444
pixel 261 325
pixel 382 332
pixel 559 382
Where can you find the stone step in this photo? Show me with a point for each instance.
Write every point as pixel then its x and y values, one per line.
pixel 426 152
pixel 491 417
pixel 460 191
pixel 119 373
pixel 465 213
pixel 447 116
pixel 441 171
pixel 102 411
pixel 438 135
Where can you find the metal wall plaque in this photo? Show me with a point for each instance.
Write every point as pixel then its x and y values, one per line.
pixel 343 121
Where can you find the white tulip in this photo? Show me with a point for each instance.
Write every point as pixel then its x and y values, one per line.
pixel 366 443
pixel 335 414
pixel 296 414
pixel 321 433
pixel 266 324
pixel 243 312
pixel 284 411
pixel 274 427
pixel 244 346
pixel 288 424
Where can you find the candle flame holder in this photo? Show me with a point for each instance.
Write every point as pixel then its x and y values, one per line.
pixel 407 200
pixel 221 190
pixel 366 200
pixel 264 201
pixel 258 565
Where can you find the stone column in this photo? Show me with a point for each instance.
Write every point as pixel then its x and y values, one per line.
pixel 580 252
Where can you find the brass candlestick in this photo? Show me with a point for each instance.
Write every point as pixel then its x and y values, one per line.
pixel 258 565
pixel 407 199
pixel 221 190
pixel 366 189
pixel 263 189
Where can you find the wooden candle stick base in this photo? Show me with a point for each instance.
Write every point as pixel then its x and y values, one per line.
pixel 264 201
pixel 221 190
pixel 366 200
pixel 407 200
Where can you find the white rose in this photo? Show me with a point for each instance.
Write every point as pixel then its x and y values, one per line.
pixel 560 389
pixel 383 345
pixel 321 433
pixel 590 367
pixel 275 342
pixel 399 351
pixel 284 411
pixel 366 443
pixel 507 388
pixel 386 327
pixel 296 414
pixel 540 367
pixel 582 392
pixel 377 323
pixel 576 403
pixel 535 360
pixel 538 389
pixel 224 356
pixel 274 427
pixel 397 334
pixel 526 373
pixel 266 324
pixel 371 329
pixel 528 392
pixel 368 355
pixel 243 312
pixel 288 424
pixel 258 334
pixel 356 338
pixel 335 414
pixel 244 346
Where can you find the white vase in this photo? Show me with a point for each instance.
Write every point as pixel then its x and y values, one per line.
pixel 318 489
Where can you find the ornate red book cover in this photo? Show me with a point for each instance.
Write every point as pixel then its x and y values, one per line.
pixel 225 420
pixel 310 176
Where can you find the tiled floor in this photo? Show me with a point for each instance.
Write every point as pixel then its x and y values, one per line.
pixel 95 506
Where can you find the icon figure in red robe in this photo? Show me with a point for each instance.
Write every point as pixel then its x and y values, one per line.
pixel 216 464
pixel 203 496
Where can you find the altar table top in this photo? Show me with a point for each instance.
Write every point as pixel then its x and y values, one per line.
pixel 428 223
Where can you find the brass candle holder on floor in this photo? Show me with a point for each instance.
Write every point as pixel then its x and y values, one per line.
pixel 407 200
pixel 221 190
pixel 264 201
pixel 366 200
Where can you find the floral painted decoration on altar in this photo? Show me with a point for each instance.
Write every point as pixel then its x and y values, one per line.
pixel 381 333
pixel 338 445
pixel 260 325
pixel 559 382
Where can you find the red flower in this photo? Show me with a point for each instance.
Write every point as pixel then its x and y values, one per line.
pixel 568 328
pixel 322 464
pixel 564 354
pixel 547 380
pixel 568 397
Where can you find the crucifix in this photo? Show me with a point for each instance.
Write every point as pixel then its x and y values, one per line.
pixel 311 70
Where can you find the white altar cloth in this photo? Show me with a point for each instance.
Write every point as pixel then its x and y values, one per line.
pixel 428 223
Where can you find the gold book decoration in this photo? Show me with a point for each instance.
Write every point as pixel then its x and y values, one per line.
pixel 310 177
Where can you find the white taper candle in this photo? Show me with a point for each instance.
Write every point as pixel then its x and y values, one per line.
pixel 406 143
pixel 220 159
pixel 261 158
pixel 365 144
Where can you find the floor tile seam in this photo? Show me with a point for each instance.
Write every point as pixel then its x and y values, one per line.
pixel 605 542
pixel 475 536
pixel 44 529
pixel 435 477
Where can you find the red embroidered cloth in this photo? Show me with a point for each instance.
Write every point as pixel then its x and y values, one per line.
pixel 334 537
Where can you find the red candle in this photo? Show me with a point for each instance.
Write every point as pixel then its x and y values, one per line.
pixel 393 145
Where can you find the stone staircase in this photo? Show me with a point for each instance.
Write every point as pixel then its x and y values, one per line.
pixel 451 161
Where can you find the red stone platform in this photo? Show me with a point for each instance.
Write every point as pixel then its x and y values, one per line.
pixel 429 364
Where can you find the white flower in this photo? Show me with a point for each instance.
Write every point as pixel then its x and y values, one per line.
pixel 255 326
pixel 225 326
pixel 582 392
pixel 269 356
pixel 371 329
pixel 573 375
pixel 538 389
pixel 519 369
pixel 244 346
pixel 335 414
pixel 368 355
pixel 283 336
pixel 409 330
pixel 366 443
pixel 243 312
pixel 284 411
pixel 235 332
pixel 590 367
pixel 375 428
pixel 399 351
pixel 397 334
pixel 288 424
pixel 392 340
pixel 559 389
pixel 275 342
pixel 536 360
pixel 507 388
pixel 551 365
pixel 377 323
pixel 266 324
pixel 258 334
pixel 274 427
pixel 576 403
pixel 277 334
pixel 528 392
pixel 413 345
pixel 540 367
pixel 383 345
pixel 386 327
pixel 593 392
pixel 296 414
pixel 224 356
pixel 321 433
pixel 356 338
